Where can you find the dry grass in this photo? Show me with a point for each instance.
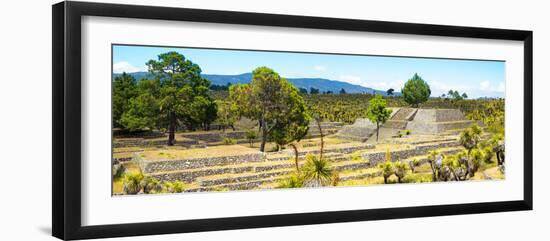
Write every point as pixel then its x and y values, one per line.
pixel 214 151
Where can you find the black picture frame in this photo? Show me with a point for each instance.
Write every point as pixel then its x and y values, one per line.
pixel 66 127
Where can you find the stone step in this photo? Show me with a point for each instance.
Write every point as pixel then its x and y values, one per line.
pixel 395 124
pixel 246 177
pixel 379 156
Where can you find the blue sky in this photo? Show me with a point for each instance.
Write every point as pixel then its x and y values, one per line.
pixel 476 78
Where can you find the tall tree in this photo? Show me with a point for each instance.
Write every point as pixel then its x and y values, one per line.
pixel 274 102
pixel 390 91
pixel 377 112
pixel 124 89
pixel 416 91
pixel 183 94
pixel 313 91
pixel 227 114
pixel 342 91
pixel 143 110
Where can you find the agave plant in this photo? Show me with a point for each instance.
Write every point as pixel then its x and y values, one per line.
pixel 296 180
pixel 400 169
pixel 387 170
pixel 132 182
pixel 317 172
pixel 151 185
pixel 470 137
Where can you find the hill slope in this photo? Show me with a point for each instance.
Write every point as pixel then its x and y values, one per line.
pixel 319 83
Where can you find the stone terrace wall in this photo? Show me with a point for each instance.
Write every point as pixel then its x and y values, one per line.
pixel 377 157
pixel 361 130
pixel 444 115
pixel 438 120
pixel 174 165
pixel 215 136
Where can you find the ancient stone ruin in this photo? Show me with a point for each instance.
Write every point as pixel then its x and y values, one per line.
pixel 419 121
pixel 438 121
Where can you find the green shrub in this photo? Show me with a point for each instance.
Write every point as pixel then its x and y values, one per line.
pixel 132 182
pixel 407 132
pixel 295 180
pixel 317 172
pixel 400 170
pixel 229 141
pixel 118 170
pixel 251 135
pixel 175 186
pixel 387 170
pixel 151 185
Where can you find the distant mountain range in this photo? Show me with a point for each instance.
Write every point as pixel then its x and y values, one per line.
pixel 318 83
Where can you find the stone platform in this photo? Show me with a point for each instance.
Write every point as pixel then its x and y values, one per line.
pixel 438 121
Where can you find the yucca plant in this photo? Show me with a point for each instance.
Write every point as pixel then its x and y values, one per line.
pixel 387 170
pixel 317 172
pixel 151 185
pixel 132 182
pixel 400 170
pixel 295 180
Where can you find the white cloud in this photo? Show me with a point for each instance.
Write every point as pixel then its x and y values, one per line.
pixel 487 86
pixel 501 87
pixel 352 79
pixel 319 68
pixel 124 66
pixel 484 85
pixel 383 85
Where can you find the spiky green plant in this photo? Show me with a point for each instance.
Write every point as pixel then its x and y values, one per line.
pixel 132 182
pixel 295 180
pixel 387 170
pixel 317 172
pixel 151 185
pixel 400 170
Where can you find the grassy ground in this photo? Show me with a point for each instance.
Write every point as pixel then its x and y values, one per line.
pixel 214 151
pixel 118 183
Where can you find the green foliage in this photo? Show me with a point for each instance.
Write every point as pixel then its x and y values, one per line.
pixel 407 132
pixel 175 186
pixel 229 141
pixel 132 182
pixel 151 185
pixel 400 170
pixel 492 114
pixel 390 91
pixel 275 103
pixel 143 112
pixel 178 95
pixel 124 89
pixel 118 170
pixel 470 137
pixel 227 114
pixel 377 112
pixel 313 91
pixel 387 170
pixel 295 180
pixel 251 135
pixel 317 171
pixel 416 91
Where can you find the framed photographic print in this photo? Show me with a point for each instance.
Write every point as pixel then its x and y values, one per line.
pixel 169 120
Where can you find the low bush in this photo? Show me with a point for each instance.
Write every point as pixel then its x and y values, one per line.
pixel 229 141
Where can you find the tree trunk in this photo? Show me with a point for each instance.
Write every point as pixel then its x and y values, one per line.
pixel 264 135
pixel 377 130
pixel 385 180
pixel 434 176
pixel 322 140
pixel 295 156
pixel 172 129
